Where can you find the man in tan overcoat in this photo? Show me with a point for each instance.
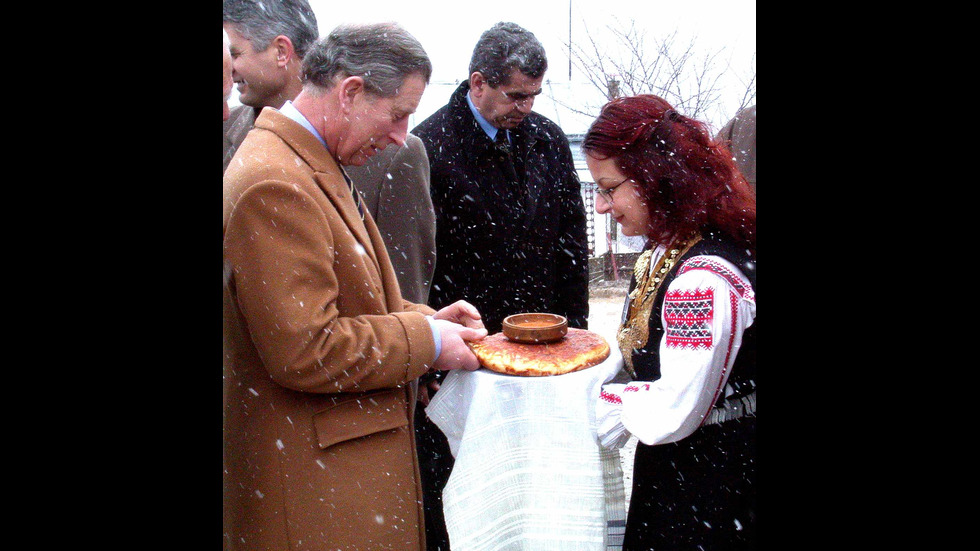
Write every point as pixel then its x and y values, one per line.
pixel 322 353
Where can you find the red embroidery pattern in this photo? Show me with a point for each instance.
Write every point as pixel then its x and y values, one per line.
pixel 610 397
pixel 706 263
pixel 687 318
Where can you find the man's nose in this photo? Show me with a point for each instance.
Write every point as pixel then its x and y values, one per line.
pixel 524 105
pixel 399 134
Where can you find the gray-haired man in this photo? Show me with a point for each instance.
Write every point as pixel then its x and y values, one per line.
pixel 322 352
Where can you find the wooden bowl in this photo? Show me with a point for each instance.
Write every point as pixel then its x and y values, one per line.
pixel 535 327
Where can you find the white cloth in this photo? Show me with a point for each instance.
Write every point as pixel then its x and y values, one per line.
pixel 707 308
pixel 529 471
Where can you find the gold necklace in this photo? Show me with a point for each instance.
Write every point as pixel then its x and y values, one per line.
pixel 634 332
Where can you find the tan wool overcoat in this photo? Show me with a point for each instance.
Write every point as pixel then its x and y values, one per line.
pixel 321 357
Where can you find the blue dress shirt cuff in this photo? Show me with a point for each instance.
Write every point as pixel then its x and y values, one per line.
pixel 435 334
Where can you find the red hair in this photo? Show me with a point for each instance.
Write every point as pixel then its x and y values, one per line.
pixel 688 179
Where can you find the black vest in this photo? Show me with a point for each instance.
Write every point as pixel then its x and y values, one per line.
pixel 646 360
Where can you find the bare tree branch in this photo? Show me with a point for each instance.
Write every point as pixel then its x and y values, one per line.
pixel 664 66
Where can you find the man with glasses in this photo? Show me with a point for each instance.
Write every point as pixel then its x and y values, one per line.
pixel 510 220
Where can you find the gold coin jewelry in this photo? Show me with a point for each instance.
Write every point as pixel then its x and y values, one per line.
pixel 634 332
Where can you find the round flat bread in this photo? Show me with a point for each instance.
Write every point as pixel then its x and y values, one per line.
pixel 577 350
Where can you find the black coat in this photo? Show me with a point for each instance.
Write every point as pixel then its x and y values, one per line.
pixel 506 248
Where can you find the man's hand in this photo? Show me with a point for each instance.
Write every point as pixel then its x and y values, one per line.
pixel 456 353
pixel 463 313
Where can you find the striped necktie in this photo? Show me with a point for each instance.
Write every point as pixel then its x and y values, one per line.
pixel 503 145
pixel 353 192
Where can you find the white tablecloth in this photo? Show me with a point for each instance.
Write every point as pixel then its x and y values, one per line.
pixel 529 471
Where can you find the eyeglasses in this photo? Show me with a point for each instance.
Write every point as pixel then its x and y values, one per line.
pixel 521 97
pixel 607 193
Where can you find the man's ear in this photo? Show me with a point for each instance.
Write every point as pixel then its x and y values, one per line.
pixel 284 50
pixel 478 84
pixel 348 89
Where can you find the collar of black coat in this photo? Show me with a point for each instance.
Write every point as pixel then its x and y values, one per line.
pixel 530 128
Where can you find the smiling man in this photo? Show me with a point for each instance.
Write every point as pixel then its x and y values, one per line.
pixel 510 220
pixel 322 353
pixel 268 42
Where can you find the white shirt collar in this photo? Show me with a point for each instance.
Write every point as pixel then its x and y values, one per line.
pixel 290 111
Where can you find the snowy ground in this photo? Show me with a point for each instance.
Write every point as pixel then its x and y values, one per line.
pixel 605 311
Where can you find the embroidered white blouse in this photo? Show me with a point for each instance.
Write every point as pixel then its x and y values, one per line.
pixel 706 309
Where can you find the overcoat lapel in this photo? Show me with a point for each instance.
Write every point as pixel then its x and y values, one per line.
pixel 340 195
pixel 328 177
pixel 479 153
pixel 524 142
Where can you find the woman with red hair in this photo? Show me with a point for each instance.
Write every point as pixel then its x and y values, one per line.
pixel 687 337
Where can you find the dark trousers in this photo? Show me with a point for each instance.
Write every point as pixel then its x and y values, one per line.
pixel 435 464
